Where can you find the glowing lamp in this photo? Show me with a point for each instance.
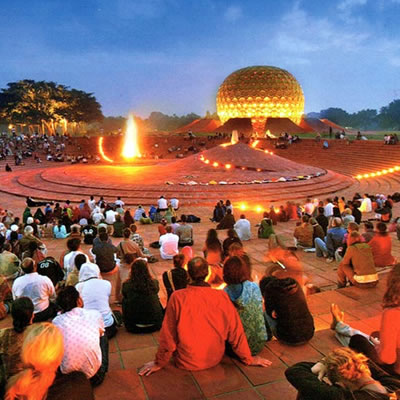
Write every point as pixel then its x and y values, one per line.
pixel 373 174
pixel 215 164
pixel 259 209
pixel 391 170
pixel 379 173
pixel 384 171
pixel 396 168
pixel 228 166
pixel 243 207
pixel 359 176
pixel 207 161
pixel 366 176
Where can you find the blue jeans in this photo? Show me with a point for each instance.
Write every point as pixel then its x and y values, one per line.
pixel 320 248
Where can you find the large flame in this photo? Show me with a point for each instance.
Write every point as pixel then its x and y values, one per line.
pixel 131 147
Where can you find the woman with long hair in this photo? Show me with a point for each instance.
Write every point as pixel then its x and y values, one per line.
pixel 128 219
pixel 232 237
pixel 141 308
pixel 246 297
pixel 384 351
pixel 212 249
pixel 176 278
pixel 344 375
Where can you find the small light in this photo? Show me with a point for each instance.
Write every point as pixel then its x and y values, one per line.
pixel 243 168
pixel 359 176
pixel 243 207
pixel 373 174
pixel 228 166
pixel 271 152
pixel 379 173
pixel 259 209
pixel 391 170
pixel 384 171
pixel 366 175
pixel 202 158
pixel 215 164
pixel 397 168
pixel 266 151
pixel 207 161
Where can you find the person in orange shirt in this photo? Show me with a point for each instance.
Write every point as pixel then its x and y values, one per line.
pixel 381 245
pixel 198 322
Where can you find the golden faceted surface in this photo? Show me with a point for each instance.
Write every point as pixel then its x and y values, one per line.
pixel 258 93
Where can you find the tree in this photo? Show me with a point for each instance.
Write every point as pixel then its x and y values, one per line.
pixel 364 119
pixel 47 105
pixel 336 115
pixel 389 117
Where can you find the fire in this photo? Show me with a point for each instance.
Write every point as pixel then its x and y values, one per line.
pixel 131 147
pixel 101 151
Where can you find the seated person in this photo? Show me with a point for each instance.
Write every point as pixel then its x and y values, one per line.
pixel 104 253
pixel 60 231
pixel 118 226
pixel 303 233
pixel 9 264
pixel 342 374
pixel 265 230
pixel 11 340
pixel 74 248
pixel 38 288
pixel 243 228
pixel 168 244
pixel 199 308
pixel 246 297
pixel 177 277
pixel 141 308
pixel 139 214
pixel 73 276
pixel 85 347
pixel 228 222
pixel 184 232
pixel 358 265
pixel 50 267
pixel 286 310
pixel 318 231
pixel 369 232
pixel 95 293
pixel 333 240
pixel 381 245
pixel 89 232
pixel 232 238
pixel 385 350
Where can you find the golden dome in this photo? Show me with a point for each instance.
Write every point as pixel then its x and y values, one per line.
pixel 260 92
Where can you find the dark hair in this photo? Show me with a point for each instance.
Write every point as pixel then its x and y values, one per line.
pixel 381 228
pixel 168 229
pixel 235 271
pixel 368 225
pixel 229 211
pixel 28 265
pixel 127 232
pixel 321 210
pixel 13 236
pixel 288 286
pixel 80 259
pixel 212 241
pixel 179 260
pixel 198 269
pixel 73 244
pixel 129 258
pixel 173 220
pixel 90 221
pixel 7 246
pixel 102 229
pixel 67 298
pixel 183 218
pixel 305 218
pixel 133 228
pixel 103 236
pixel 21 312
pixel 141 278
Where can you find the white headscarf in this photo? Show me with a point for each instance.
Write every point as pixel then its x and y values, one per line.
pixel 89 270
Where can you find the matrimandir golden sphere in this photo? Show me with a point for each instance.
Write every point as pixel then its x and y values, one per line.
pixel 258 93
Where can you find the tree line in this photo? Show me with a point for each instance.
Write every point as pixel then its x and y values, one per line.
pixel 388 117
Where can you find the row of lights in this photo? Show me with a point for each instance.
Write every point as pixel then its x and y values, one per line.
pixel 378 173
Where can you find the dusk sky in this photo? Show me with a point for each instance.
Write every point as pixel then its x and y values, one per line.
pixel 172 55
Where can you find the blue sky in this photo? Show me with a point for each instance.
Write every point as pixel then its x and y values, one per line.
pixel 171 55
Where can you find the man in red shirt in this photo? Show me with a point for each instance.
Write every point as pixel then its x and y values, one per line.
pixel 198 322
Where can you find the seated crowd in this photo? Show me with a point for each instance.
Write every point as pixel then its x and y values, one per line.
pixel 67 304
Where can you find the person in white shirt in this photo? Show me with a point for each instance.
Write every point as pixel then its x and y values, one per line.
pixel 95 293
pixel 74 247
pixel 243 228
pixel 110 216
pixel 174 203
pixel 97 216
pixel 169 244
pixel 119 202
pixel 162 204
pixel 85 346
pixel 328 209
pixel 139 212
pixel 38 288
pixel 366 204
pixel 92 203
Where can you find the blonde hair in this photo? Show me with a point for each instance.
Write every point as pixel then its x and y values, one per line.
pixel 41 354
pixel 345 364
